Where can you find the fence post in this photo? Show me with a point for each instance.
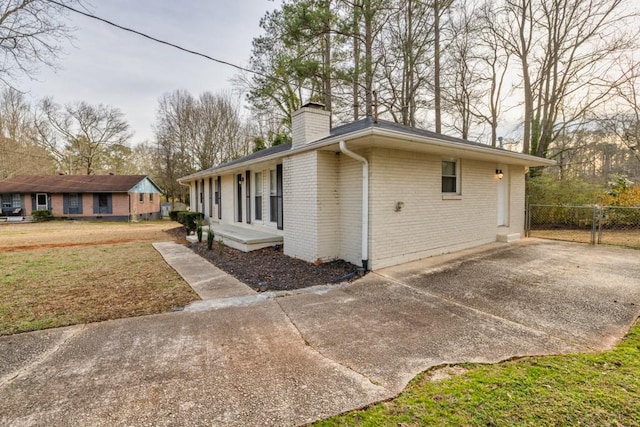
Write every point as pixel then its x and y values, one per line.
pixel 527 218
pixel 593 224
pixel 600 219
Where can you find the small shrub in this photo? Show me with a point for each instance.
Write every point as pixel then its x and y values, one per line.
pixel 210 237
pixel 189 219
pixel 199 230
pixel 173 215
pixel 42 215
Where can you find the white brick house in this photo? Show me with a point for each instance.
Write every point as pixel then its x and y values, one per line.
pixel 424 193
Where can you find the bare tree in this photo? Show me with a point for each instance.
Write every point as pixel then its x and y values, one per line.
pixel 81 137
pixel 31 33
pixel 195 134
pixel 495 58
pixel 566 49
pixel 463 84
pixel 622 118
pixel 19 153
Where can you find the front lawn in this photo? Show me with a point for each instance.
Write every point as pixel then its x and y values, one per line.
pixel 66 273
pixel 600 389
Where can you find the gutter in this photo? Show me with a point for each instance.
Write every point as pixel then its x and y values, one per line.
pixel 365 202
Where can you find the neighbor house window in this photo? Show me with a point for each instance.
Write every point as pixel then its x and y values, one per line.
pixel 151 197
pixel 450 176
pixel 141 197
pixel 6 201
pixel 74 201
pixel 258 196
pixel 102 203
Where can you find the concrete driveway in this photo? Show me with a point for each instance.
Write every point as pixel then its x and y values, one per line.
pixel 298 358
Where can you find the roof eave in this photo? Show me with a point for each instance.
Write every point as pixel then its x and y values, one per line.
pixel 510 157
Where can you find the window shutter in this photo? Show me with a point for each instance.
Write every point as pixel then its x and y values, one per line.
pixel 96 204
pixel 79 203
pixel 210 197
pixel 65 203
pixel 279 191
pixel 219 188
pixel 247 190
pixel 109 204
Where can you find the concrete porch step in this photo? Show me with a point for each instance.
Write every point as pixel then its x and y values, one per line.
pixel 241 238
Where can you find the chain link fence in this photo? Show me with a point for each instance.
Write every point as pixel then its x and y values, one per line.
pixel 609 225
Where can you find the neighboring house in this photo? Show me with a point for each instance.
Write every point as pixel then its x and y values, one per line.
pixel 113 197
pixel 371 192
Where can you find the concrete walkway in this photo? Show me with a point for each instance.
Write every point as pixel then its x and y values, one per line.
pixel 207 280
pixel 294 359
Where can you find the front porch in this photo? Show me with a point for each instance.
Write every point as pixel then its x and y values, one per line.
pixel 241 238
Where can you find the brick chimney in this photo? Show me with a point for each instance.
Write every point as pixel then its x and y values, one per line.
pixel 310 123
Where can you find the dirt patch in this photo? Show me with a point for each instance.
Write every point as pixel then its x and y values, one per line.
pixel 64 245
pixel 270 266
pixel 53 234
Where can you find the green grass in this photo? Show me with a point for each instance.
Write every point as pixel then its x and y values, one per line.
pixel 601 389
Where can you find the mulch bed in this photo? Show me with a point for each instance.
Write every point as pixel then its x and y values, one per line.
pixel 269 265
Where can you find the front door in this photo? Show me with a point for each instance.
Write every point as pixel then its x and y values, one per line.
pixel 41 201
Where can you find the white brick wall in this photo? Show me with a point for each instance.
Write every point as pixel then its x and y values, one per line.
pixel 300 206
pixel 517 199
pixel 427 224
pixel 350 201
pixel 328 206
pixel 309 124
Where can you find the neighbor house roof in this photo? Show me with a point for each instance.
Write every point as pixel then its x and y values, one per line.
pixel 72 183
pixel 368 125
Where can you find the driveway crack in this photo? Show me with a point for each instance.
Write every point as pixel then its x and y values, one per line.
pixel 68 335
pixel 481 312
pixel 349 369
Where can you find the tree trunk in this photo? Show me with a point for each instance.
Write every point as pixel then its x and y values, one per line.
pixel 436 65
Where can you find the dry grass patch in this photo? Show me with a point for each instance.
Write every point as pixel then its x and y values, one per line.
pixel 609 237
pixel 57 286
pixel 17 236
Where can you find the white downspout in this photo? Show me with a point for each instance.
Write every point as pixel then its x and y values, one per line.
pixel 365 202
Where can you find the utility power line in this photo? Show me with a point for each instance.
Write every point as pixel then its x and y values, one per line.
pixel 157 40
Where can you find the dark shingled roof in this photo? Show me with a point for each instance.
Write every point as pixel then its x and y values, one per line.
pixel 70 183
pixel 255 156
pixel 346 129
pixel 368 122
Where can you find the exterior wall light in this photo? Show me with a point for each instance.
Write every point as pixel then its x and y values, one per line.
pixel 499 173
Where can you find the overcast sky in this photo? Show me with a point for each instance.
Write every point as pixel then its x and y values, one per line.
pixel 109 66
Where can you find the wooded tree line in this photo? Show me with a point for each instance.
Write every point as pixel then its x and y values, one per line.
pixel 191 134
pixel 566 68
pixel 559 75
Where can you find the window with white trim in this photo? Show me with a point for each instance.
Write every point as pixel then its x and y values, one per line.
pixel 451 176
pixel 16 201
